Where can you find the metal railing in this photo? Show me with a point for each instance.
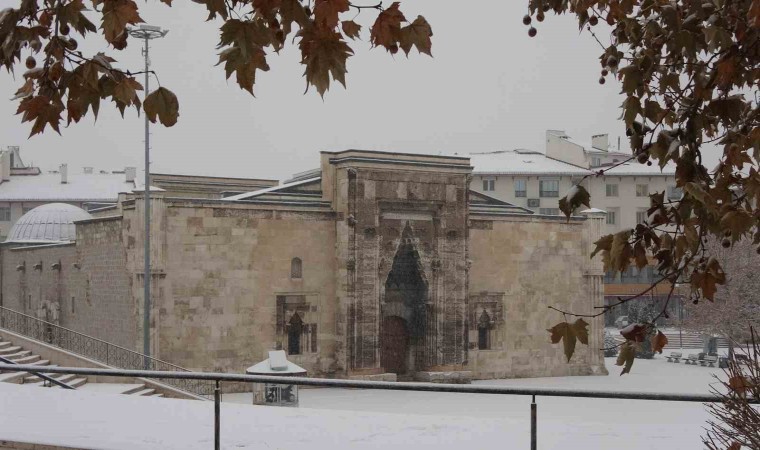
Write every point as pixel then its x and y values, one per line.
pixel 98 350
pixel 40 375
pixel 218 378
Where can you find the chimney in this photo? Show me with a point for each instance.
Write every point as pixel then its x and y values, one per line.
pixel 64 173
pixel 88 170
pixel 601 142
pixel 5 165
pixel 131 174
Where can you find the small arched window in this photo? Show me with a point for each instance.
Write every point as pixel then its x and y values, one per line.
pixel 484 328
pixel 296 268
pixel 295 329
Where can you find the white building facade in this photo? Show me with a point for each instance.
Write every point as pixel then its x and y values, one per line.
pixel 537 180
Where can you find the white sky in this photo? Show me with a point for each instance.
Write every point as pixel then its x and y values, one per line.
pixel 488 87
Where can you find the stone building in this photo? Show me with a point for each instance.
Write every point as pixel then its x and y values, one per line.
pixel 377 266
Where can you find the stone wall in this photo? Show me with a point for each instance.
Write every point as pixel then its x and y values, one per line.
pixel 520 267
pixel 228 268
pixel 88 285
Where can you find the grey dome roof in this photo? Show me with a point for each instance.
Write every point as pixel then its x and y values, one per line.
pixel 53 222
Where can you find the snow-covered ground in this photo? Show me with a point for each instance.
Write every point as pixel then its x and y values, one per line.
pixel 361 419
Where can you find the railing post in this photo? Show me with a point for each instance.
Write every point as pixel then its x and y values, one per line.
pixel 217 402
pixel 533 419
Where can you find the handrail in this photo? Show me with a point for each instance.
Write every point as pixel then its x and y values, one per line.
pixel 2 308
pixel 217 378
pixel 94 348
pixel 389 385
pixel 38 374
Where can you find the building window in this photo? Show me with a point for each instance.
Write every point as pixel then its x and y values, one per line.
pixel 641 216
pixel 5 214
pixel 489 184
pixel 642 190
pixel 549 211
pixel 548 188
pixel 596 161
pixel 674 193
pixel 295 329
pixel 611 217
pixel 484 328
pixel 296 268
pixel 534 202
pixel 313 338
pixel 612 190
pixel 521 188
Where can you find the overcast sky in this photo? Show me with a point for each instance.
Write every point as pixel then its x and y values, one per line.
pixel 488 87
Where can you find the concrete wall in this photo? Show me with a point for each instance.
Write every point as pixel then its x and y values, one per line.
pixel 529 265
pixel 226 266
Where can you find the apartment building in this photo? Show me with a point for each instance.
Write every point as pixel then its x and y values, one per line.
pixel 536 180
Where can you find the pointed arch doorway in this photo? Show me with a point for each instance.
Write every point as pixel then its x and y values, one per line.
pixel 404 324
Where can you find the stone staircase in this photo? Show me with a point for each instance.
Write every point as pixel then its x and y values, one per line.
pixel 18 355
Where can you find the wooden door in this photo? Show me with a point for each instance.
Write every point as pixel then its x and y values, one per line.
pixel 395 343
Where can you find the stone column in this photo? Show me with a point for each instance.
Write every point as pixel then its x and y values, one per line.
pixel 593 273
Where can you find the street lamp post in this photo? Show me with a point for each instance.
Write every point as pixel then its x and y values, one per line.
pixel 146 33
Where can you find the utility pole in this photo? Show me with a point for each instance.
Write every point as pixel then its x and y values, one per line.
pixel 147 32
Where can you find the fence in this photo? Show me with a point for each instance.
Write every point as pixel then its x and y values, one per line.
pixel 218 378
pixel 98 350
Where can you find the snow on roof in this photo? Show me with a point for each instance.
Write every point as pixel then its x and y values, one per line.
pixel 53 222
pixel 276 364
pixel 80 187
pixel 521 162
pixel 634 168
pixel 250 195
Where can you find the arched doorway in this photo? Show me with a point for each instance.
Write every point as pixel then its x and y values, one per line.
pixel 404 310
pixel 395 345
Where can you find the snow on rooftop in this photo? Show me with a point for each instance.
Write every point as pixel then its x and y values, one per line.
pixel 276 364
pixel 47 186
pixel 50 223
pixel 521 162
pixel 634 168
pixel 250 195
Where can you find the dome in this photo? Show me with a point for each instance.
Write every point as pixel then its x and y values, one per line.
pixel 49 223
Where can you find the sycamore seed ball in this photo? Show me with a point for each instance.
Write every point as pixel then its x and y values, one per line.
pixel 593 20
pixel 532 32
pixel 602 80
pixel 540 16
pixel 526 19
pixel 612 61
pixel 64 29
pixel 31 63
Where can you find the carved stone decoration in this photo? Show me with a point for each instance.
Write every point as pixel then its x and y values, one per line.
pixel 370 233
pixel 351 220
pixel 351 264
